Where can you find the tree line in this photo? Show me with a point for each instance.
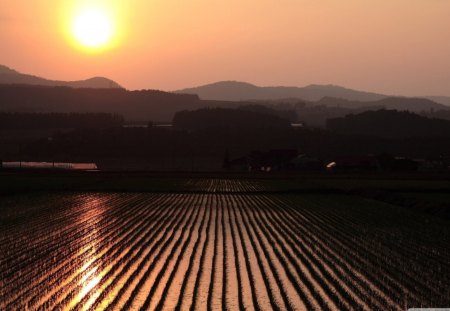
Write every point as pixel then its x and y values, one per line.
pixel 228 118
pixel 59 120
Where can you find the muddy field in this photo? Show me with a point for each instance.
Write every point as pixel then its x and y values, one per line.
pixel 225 247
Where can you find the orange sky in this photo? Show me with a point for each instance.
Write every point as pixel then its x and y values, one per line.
pixel 399 47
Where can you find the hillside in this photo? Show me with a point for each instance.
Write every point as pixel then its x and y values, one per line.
pixel 10 76
pixel 395 103
pixel 242 91
pixel 140 106
pixel 240 119
pixel 445 100
pixel 389 124
pixel 316 114
pixel 236 91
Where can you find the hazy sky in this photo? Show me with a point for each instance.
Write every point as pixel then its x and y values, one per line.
pixel 399 47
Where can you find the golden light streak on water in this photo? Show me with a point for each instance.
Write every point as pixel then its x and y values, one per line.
pixel 89 280
pixel 91 274
pixel 89 284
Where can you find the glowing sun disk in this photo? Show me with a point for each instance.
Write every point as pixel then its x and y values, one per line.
pixel 93 28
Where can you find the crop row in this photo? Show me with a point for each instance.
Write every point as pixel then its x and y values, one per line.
pixel 210 251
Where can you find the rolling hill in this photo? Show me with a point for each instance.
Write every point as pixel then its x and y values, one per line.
pixel 389 124
pixel 10 76
pixel 141 106
pixel 395 103
pixel 242 91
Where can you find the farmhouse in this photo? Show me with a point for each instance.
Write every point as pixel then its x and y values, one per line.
pixel 354 163
pixel 272 160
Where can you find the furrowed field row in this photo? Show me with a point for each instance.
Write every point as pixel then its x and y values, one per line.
pixel 210 251
pixel 365 259
pixel 64 267
pixel 106 258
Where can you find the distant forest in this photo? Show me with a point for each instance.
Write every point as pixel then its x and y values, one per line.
pixel 389 124
pixel 288 114
pixel 160 107
pixel 205 137
pixel 133 105
pixel 150 143
pixel 211 133
pixel 228 118
pixel 59 120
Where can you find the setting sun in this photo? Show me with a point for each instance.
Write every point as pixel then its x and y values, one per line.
pixel 93 28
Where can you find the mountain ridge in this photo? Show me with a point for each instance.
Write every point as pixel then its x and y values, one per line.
pixel 244 91
pixel 241 91
pixel 11 76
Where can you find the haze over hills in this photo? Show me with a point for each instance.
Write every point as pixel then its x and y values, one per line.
pixel 10 76
pixel 317 113
pixel 329 95
pixel 395 103
pixel 158 106
pixel 313 104
pixel 444 100
pixel 237 91
pixel 242 91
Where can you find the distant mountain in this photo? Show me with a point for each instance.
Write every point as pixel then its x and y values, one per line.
pixel 138 106
pixel 10 76
pixel 241 91
pixel 444 100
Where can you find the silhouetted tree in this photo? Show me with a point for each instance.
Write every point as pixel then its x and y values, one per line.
pixel 389 124
pixel 59 120
pixel 227 118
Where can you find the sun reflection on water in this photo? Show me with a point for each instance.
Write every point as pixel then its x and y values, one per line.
pixel 89 271
pixel 89 283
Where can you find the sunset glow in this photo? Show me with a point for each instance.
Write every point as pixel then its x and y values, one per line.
pixel 224 155
pixel 382 46
pixel 93 28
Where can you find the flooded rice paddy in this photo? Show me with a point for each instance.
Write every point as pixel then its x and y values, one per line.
pixel 218 251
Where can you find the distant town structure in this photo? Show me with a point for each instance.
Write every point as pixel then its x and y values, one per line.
pixel 274 160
